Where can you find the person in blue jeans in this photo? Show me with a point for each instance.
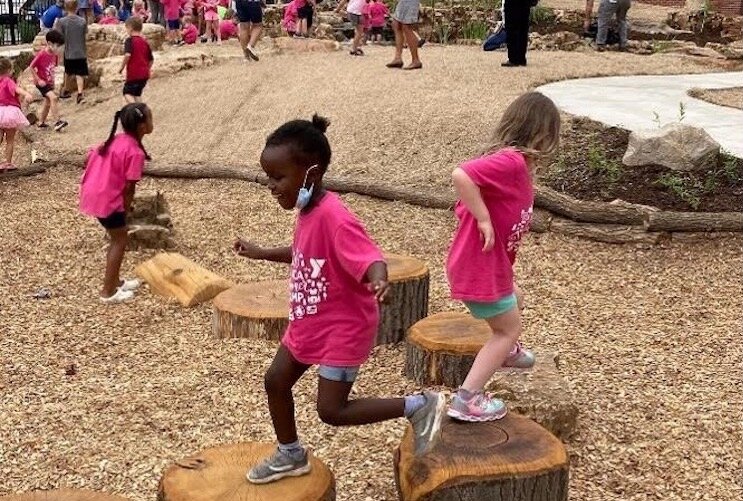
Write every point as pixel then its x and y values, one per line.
pixel 250 16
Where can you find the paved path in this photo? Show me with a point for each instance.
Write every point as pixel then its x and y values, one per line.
pixel 630 102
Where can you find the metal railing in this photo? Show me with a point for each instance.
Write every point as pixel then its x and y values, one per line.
pixel 19 20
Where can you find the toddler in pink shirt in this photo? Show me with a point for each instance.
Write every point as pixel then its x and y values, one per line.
pixel 190 32
pixel 112 170
pixel 494 211
pixel 338 276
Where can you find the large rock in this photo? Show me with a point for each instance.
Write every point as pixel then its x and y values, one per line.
pixel 541 393
pixel 675 146
pixel 105 72
pixel 286 44
pixel 106 40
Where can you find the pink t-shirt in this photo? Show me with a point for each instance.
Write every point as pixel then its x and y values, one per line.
pixel 44 63
pixel 334 317
pixel 172 9
pixel 109 20
pixel 190 34
pixel 227 29
pixel 8 96
pixel 377 12
pixel 506 187
pixel 102 185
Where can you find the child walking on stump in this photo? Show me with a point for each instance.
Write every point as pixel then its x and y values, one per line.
pixel 107 190
pixel 338 276
pixel 495 204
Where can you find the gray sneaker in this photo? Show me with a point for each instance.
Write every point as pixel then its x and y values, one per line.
pixel 426 421
pixel 278 466
pixel 520 358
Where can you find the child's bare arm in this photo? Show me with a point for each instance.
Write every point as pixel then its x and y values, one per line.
pixel 25 95
pixel 469 194
pixel 250 250
pixel 124 62
pixel 376 276
pixel 129 190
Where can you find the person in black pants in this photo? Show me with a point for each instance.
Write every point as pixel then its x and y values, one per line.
pixel 516 13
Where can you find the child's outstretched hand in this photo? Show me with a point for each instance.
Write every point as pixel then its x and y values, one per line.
pixel 488 234
pixel 380 288
pixel 246 249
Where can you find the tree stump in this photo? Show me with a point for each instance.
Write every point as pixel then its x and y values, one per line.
pixel 513 459
pixel 258 310
pixel 442 348
pixel 172 275
pixel 218 474
pixel 63 495
pixel 408 298
pixel 261 310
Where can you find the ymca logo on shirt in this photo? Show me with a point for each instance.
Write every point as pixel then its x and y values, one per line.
pixel 309 286
pixel 519 230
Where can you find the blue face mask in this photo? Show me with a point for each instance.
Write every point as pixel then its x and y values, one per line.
pixel 305 194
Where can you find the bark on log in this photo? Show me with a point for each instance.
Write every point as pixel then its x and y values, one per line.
pixel 587 211
pixel 442 348
pixel 259 311
pixel 513 459
pixel 609 233
pixel 695 221
pixel 63 495
pixel 31 170
pixel 408 298
pixel 218 474
pixel 172 275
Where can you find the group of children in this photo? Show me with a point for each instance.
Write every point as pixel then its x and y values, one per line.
pixel 338 275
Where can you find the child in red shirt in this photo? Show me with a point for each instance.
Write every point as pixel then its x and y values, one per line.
pixel 494 210
pixel 42 68
pixel 137 61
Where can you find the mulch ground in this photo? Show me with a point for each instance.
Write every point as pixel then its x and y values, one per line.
pixel 732 97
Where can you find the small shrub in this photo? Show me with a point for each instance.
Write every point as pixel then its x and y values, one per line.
pixel 731 167
pixel 680 187
pixel 475 30
pixel 443 33
pixel 598 162
pixel 541 15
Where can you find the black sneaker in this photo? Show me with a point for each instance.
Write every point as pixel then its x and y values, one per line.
pixel 65 95
pixel 59 125
pixel 80 99
pixel 250 52
pixel 421 42
pixel 43 125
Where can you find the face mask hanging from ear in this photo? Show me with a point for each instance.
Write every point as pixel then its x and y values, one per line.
pixel 305 194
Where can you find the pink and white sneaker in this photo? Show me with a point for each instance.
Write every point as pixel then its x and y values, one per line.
pixel 520 358
pixel 479 408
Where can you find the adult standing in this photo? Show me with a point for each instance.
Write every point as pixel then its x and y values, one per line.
pixel 517 30
pixel 250 17
pixel 157 11
pixel 50 15
pixel 305 12
pixel 404 21
pixel 607 10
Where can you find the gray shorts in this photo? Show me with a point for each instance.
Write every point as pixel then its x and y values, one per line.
pixel 355 19
pixel 340 374
pixel 406 11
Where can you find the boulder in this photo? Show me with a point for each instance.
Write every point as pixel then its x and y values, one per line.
pixel 105 72
pixel 324 31
pixel 732 51
pixel 540 393
pixel 150 224
pixel 286 44
pixel 106 40
pixel 675 146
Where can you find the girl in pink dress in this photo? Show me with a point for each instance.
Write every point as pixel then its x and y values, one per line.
pixel 139 9
pixel 11 116
pixel 378 13
pixel 494 210
pixel 338 277
pixel 109 16
pixel 211 18
pixel 112 170
pixel 289 21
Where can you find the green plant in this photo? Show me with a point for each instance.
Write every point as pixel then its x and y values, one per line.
pixel 680 187
pixel 475 30
pixel 661 45
pixel 731 167
pixel 682 111
pixel 598 162
pixel 656 119
pixel 541 15
pixel 443 33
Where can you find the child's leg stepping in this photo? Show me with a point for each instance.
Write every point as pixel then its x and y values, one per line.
pixel 218 474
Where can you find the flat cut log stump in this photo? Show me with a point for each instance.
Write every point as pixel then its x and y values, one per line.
pixel 63 495
pixel 218 474
pixel 261 310
pixel 408 298
pixel 513 459
pixel 172 275
pixel 258 310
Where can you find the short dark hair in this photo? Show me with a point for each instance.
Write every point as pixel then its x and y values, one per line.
pixel 307 140
pixel 55 37
pixel 134 22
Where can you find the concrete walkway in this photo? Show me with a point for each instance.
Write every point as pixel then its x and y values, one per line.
pixel 631 103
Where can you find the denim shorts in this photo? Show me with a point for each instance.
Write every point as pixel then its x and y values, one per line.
pixel 492 309
pixel 340 374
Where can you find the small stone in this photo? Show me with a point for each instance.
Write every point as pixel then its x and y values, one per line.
pixel 675 146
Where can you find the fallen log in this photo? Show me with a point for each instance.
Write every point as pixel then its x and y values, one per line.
pixel 695 221
pixel 609 233
pixel 31 170
pixel 587 211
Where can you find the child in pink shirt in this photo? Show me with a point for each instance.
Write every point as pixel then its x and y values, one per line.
pixel 190 32
pixel 11 116
pixel 289 21
pixel 211 18
pixel 109 16
pixel 378 13
pixel 42 69
pixel 228 26
pixel 338 277
pixel 172 10
pixel 494 211
pixel 107 189
pixel 139 9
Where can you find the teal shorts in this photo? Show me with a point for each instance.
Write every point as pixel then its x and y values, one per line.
pixel 490 310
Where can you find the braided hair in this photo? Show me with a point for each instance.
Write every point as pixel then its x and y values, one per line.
pixel 307 139
pixel 130 116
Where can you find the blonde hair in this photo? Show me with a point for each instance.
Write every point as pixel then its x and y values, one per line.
pixel 110 10
pixel 530 124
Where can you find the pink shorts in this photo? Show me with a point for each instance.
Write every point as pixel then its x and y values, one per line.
pixel 211 16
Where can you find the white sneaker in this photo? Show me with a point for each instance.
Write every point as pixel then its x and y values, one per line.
pixel 119 296
pixel 130 285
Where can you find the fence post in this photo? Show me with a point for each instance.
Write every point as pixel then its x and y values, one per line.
pixel 12 24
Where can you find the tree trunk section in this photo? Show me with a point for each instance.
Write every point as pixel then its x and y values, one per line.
pixel 218 474
pixel 513 459
pixel 63 495
pixel 31 170
pixel 609 233
pixel 587 211
pixel 259 311
pixel 407 298
pixel 695 221
pixel 442 348
pixel 172 275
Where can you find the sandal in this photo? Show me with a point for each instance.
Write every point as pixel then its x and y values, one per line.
pixel 414 66
pixel 395 64
pixel 7 167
